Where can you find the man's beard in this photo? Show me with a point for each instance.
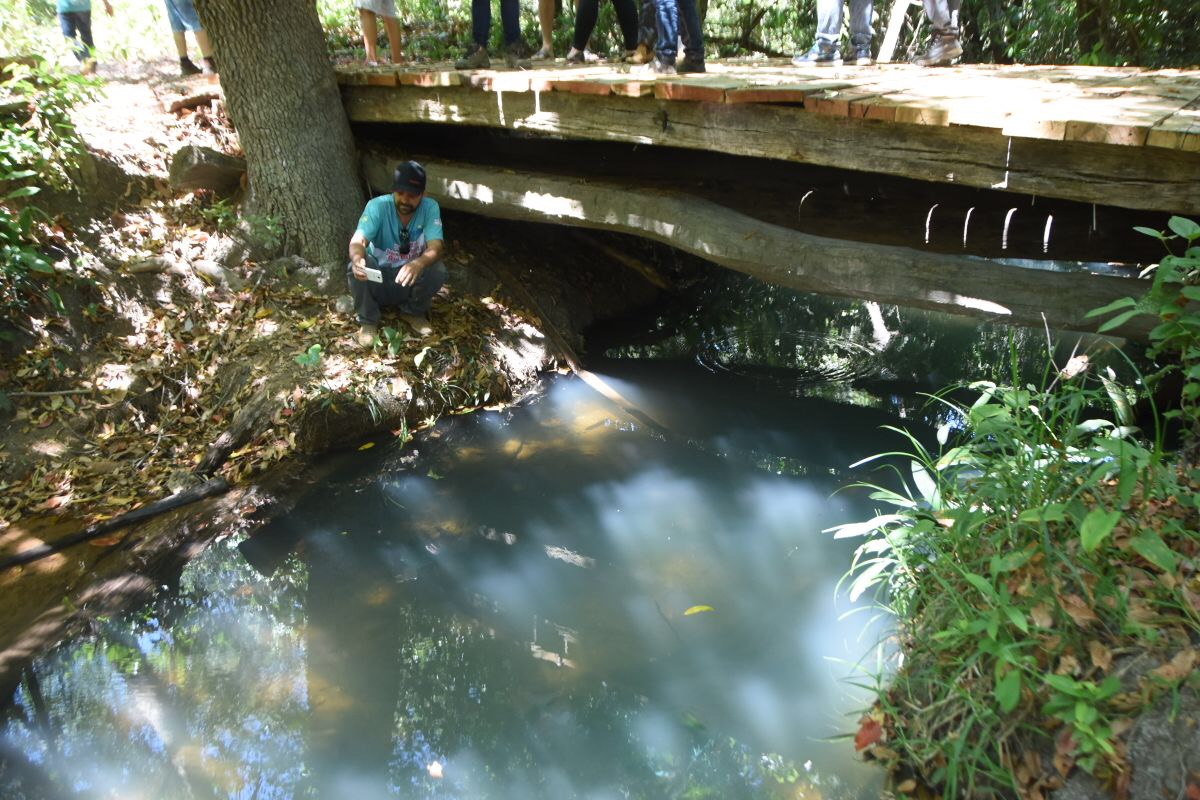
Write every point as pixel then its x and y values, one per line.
pixel 405 208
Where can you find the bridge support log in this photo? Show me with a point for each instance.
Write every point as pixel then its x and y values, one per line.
pixel 964 285
pixel 1156 179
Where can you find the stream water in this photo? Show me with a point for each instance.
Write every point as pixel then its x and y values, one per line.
pixel 558 600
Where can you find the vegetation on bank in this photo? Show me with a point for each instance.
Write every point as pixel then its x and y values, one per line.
pixel 1042 568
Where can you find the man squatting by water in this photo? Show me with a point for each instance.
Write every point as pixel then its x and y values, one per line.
pixel 396 255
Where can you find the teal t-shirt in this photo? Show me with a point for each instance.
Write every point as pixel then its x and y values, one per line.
pixel 380 226
pixel 72 6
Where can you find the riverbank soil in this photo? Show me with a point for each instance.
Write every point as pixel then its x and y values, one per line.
pixel 187 349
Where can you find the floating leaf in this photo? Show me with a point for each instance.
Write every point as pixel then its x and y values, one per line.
pixel 697 610
pixel 366 446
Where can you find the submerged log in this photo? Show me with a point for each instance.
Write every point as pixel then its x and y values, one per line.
pixel 965 285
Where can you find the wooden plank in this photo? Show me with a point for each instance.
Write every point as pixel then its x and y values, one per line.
pixel 778 93
pixel 442 77
pixel 1180 131
pixel 963 285
pixel 700 89
pixel 382 78
pixel 838 103
pixel 581 86
pixel 1087 172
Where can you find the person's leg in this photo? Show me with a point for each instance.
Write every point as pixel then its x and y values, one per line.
pixel 203 42
pixel 510 21
pixel 392 26
pixel 692 33
pixel 546 20
pixel 944 45
pixel 647 27
pixel 421 294
pixel 861 34
pixel 366 307
pixel 370 33
pixel 481 21
pixel 829 21
pixel 67 22
pixel 585 22
pixel 938 13
pixel 627 18
pixel 667 16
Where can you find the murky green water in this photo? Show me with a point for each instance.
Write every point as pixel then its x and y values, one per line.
pixel 553 601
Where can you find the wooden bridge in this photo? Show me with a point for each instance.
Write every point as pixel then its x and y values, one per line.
pixel 1115 137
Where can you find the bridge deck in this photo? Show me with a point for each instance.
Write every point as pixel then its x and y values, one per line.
pixel 1116 136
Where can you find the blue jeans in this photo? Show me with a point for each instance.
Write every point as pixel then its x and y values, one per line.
pixel 942 14
pixel 668 14
pixel 829 21
pixel 691 32
pixel 585 21
pixel 481 21
pixel 369 297
pixel 77 27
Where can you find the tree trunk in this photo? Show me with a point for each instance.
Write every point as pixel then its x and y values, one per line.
pixel 284 101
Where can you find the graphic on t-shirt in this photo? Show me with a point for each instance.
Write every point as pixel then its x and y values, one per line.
pixel 394 257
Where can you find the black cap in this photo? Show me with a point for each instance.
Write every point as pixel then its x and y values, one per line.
pixel 410 177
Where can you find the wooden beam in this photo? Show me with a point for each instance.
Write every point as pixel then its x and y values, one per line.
pixel 964 285
pixel 1083 171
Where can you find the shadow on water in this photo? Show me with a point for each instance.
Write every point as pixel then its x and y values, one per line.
pixel 551 601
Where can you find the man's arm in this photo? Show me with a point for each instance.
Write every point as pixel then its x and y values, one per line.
pixel 358 255
pixel 409 273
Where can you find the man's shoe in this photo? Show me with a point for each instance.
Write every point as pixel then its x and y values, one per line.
pixel 418 323
pixel 821 54
pixel 545 54
pixel 187 67
pixel 476 58
pixel 644 54
pixel 367 334
pixel 690 64
pixel 210 65
pixel 860 55
pixel 516 56
pixel 575 56
pixel 944 47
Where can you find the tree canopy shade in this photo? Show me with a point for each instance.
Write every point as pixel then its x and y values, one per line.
pixel 284 101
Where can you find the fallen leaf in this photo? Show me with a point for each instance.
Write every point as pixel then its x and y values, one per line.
pixel 1067 665
pixel 1193 792
pixel 1078 610
pixel 1101 656
pixel 104 541
pixel 869 732
pixel 697 610
pixel 906 787
pixel 1041 616
pixel 1177 668
pixel 366 446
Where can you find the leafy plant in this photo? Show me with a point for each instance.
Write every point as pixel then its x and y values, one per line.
pixel 393 340
pixel 309 358
pixel 1172 299
pixel 1009 556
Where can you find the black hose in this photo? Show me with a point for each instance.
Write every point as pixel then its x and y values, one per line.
pixel 207 489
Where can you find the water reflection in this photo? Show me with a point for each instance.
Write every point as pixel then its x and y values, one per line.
pixel 501 613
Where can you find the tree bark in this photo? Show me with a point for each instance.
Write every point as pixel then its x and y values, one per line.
pixel 284 101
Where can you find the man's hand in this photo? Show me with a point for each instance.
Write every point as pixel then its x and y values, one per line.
pixel 358 268
pixel 409 273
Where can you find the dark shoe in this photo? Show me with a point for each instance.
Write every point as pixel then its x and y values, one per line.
pixel 944 47
pixel 187 67
pixel 821 54
pixel 210 66
pixel 690 64
pixel 476 58
pixel 516 56
pixel 860 55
